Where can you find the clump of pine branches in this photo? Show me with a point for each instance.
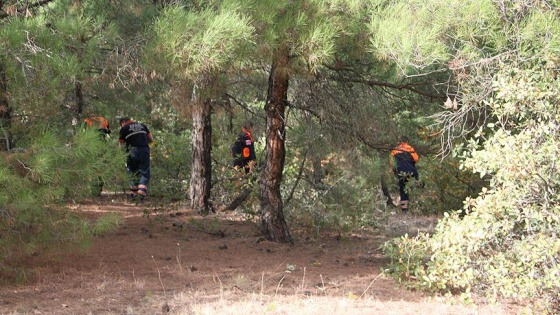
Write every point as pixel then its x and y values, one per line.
pixel 37 182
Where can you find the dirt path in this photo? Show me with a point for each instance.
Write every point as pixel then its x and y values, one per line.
pixel 214 265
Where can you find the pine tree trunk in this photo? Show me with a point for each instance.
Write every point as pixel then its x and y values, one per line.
pixel 5 113
pixel 79 99
pixel 201 172
pixel 274 227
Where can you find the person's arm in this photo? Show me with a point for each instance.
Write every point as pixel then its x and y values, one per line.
pixel 149 136
pixel 414 155
pixel 252 153
pixel 121 138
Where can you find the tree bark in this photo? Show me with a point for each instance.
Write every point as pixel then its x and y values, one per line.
pixel 80 103
pixel 5 112
pixel 201 172
pixel 274 227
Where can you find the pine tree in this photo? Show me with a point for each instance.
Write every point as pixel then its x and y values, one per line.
pixel 200 44
pixel 48 52
pixel 296 38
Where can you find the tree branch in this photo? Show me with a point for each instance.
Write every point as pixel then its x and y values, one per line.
pixel 245 106
pixel 22 9
pixel 372 83
pixel 291 194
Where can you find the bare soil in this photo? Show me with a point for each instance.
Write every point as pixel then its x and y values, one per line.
pixel 180 263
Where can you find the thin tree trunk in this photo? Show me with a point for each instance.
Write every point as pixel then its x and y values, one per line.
pixel 5 112
pixel 79 99
pixel 201 173
pixel 274 227
pixel 298 178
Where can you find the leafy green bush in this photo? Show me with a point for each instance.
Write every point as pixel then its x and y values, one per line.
pixel 347 196
pixel 445 186
pixel 508 244
pixel 170 165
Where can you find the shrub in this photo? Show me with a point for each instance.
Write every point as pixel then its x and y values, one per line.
pixel 38 181
pixel 508 244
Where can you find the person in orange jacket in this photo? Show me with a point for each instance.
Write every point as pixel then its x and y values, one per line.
pixel 403 164
pixel 102 125
pixel 243 150
pixel 99 122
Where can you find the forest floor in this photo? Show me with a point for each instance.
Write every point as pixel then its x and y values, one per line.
pixel 180 263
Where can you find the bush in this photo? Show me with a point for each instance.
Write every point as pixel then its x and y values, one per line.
pixel 38 181
pixel 170 165
pixel 508 244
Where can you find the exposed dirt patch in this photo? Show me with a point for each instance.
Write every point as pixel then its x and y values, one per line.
pixel 215 264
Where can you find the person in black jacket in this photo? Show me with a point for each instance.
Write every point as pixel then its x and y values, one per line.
pixel 136 137
pixel 243 150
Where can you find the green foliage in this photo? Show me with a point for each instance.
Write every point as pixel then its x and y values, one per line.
pixel 45 55
pixel 337 193
pixel 507 245
pixel 421 34
pixel 195 43
pixel 36 182
pixel 406 257
pixel 445 186
pixel 349 195
pixel 504 243
pixel 170 165
pixel 106 224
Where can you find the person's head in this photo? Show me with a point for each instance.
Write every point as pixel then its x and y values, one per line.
pixel 124 120
pixel 89 115
pixel 248 125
